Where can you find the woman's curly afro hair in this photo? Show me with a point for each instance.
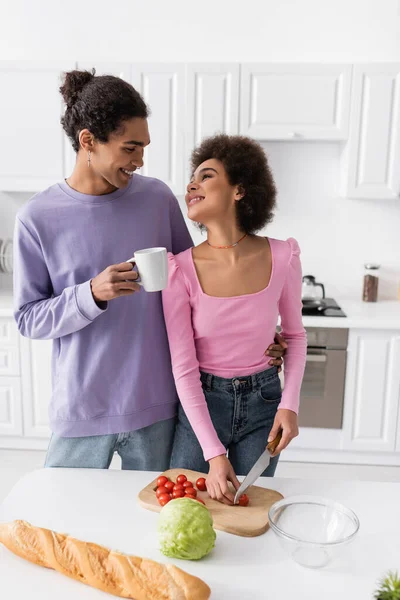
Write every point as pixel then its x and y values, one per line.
pixel 98 103
pixel 246 165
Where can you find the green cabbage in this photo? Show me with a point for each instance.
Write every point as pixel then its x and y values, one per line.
pixel 185 529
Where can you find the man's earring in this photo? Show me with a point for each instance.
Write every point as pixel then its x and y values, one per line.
pixel 88 158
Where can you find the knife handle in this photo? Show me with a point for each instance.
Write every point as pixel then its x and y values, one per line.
pixel 272 446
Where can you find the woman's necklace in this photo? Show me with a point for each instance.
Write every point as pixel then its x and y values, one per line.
pixel 226 247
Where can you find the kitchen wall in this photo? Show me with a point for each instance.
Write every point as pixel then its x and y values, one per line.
pixel 337 235
pixel 225 30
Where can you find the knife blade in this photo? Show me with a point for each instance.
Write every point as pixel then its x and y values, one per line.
pixel 259 467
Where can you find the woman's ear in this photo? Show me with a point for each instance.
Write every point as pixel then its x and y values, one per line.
pixel 240 193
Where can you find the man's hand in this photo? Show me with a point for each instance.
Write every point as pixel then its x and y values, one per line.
pixel 277 351
pixel 285 420
pixel 114 282
pixel 221 471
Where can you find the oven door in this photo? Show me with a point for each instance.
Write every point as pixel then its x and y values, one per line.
pixel 322 391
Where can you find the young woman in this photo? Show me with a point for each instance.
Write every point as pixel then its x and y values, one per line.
pixel 113 389
pixel 221 310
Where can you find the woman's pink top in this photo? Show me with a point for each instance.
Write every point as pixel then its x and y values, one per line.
pixel 228 336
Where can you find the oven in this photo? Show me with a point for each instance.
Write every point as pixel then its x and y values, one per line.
pixel 322 391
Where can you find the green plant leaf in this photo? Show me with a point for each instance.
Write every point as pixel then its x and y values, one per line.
pixel 389 587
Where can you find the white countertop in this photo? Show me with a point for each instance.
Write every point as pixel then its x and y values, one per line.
pixel 362 315
pixel 101 506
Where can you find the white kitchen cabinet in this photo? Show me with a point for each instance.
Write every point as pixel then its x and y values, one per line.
pixel 118 69
pixel 212 102
pixel 10 407
pixel 34 149
pixel 372 391
pixel 10 383
pixel 163 88
pixel 281 101
pixel 371 160
pixel 36 386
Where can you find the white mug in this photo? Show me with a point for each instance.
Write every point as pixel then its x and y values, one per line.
pixel 152 264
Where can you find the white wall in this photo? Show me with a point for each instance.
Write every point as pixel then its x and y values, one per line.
pixel 183 30
pixel 337 235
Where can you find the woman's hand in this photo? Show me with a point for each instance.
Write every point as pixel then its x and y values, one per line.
pixel 277 351
pixel 221 471
pixel 287 421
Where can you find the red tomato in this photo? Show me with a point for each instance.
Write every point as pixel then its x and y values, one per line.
pixel 164 498
pixel 178 493
pixel 201 484
pixel 161 490
pixel 187 484
pixel 181 479
pixel 191 492
pixel 199 500
pixel 243 500
pixel 190 496
pixel 169 485
pixel 162 480
pixel 178 486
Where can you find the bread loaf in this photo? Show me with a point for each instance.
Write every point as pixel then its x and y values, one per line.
pixel 113 572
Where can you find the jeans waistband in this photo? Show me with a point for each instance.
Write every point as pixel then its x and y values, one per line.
pixel 253 382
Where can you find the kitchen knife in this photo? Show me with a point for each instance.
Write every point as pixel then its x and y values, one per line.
pixel 259 467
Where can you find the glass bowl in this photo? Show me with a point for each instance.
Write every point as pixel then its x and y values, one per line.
pixel 312 530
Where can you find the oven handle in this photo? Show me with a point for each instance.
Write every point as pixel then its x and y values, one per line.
pixel 316 355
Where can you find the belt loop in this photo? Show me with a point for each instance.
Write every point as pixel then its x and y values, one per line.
pixel 254 383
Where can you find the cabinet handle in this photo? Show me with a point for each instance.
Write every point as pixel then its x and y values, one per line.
pixel 294 134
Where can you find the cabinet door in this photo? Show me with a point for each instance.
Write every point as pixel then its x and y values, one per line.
pixel 295 101
pixel 212 103
pixel 371 160
pixel 9 347
pixel 372 390
pixel 118 69
pixel 34 148
pixel 163 88
pixel 10 406
pixel 36 386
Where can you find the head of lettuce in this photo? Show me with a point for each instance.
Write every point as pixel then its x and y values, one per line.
pixel 185 529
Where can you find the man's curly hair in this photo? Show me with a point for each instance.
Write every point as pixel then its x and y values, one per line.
pixel 246 165
pixel 98 103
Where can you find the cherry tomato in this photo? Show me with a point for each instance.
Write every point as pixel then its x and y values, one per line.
pixel 199 500
pixel 169 485
pixel 178 493
pixel 190 496
pixel 178 486
pixel 181 479
pixel 244 500
pixel 201 484
pixel 187 484
pixel 161 490
pixel 162 480
pixel 191 492
pixel 164 498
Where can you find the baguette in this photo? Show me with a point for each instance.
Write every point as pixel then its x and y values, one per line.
pixel 107 570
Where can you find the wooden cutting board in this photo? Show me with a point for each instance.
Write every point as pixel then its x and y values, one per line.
pixel 247 521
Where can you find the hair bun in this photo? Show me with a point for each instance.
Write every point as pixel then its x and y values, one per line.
pixel 74 82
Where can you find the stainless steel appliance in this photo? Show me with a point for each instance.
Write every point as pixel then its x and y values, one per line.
pixel 322 391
